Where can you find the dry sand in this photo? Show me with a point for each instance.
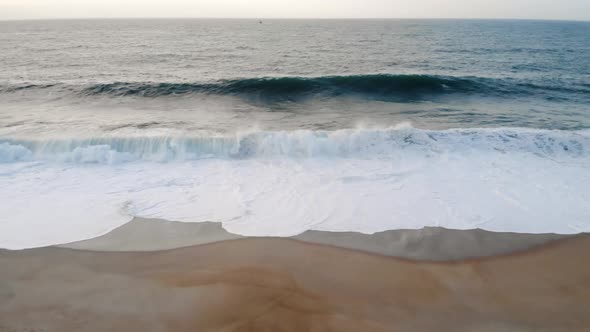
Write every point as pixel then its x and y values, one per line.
pixel 257 284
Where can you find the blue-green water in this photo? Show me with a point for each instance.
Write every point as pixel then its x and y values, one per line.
pixel 290 125
pixel 327 74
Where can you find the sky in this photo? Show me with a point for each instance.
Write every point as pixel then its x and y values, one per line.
pixel 525 9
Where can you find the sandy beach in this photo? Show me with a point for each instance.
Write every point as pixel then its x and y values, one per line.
pixel 294 166
pixel 229 283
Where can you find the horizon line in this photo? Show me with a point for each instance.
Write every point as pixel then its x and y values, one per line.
pixel 295 18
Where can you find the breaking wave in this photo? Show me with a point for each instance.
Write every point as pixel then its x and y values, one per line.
pixel 348 143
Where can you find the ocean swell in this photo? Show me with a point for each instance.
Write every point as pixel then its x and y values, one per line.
pixel 297 87
pixel 386 87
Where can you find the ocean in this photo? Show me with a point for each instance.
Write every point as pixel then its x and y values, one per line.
pixel 276 127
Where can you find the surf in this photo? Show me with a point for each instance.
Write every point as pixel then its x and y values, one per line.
pixel 511 186
pixel 303 144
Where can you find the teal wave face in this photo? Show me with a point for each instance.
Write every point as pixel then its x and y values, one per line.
pixel 386 87
pixel 292 88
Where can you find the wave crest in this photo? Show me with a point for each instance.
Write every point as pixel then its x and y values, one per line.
pixel 365 143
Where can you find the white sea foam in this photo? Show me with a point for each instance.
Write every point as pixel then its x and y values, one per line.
pixel 283 183
pixel 363 143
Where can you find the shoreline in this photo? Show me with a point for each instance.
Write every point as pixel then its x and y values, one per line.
pixel 427 244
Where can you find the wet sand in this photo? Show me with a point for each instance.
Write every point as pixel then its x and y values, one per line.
pixel 430 244
pixel 270 284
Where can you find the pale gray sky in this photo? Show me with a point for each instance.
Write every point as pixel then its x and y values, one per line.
pixel 529 9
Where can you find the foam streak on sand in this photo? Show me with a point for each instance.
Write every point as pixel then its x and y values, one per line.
pixel 528 181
